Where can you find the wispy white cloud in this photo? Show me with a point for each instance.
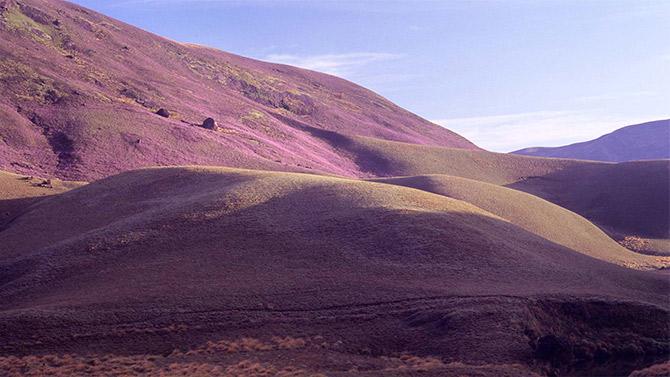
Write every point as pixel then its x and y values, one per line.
pixel 158 2
pixel 616 96
pixel 388 6
pixel 509 132
pixel 155 3
pixel 343 65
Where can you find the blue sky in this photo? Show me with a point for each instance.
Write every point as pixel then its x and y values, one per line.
pixel 505 74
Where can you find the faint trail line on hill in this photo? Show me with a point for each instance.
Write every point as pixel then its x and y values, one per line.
pixel 374 303
pixel 427 299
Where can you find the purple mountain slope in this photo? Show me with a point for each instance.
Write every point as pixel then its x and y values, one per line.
pixel 80 96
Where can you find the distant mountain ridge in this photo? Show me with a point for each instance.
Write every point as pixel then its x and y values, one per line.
pixel 645 141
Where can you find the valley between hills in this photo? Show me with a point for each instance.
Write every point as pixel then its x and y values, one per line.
pixel 169 209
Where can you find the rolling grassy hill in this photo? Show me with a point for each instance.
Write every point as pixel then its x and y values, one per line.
pixel 161 261
pixel 447 260
pixel 646 141
pixel 625 199
pixel 18 193
pixel 80 91
pixel 533 214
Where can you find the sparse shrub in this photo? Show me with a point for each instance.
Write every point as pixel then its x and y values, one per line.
pixel 658 370
pixel 289 342
pixel 416 363
pixel 635 243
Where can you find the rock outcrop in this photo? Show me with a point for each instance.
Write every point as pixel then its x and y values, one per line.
pixel 210 124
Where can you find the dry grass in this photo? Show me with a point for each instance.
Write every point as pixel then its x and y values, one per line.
pixel 536 215
pixel 15 186
pixel 289 343
pixel 408 364
pixel 627 198
pixel 658 370
pixel 246 345
pixel 189 364
pixel 71 365
pixel 259 248
pixel 245 368
pixel 150 366
pixel 404 159
pixel 649 246
pixel 635 243
pixel 241 219
pixel 18 192
pixel 420 364
pixel 176 363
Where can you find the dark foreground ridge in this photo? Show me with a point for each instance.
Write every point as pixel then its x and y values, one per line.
pixel 212 267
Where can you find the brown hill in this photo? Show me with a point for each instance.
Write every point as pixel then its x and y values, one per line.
pixel 221 271
pixel 363 274
pixel 533 214
pixel 79 92
pixel 625 199
pixel 17 193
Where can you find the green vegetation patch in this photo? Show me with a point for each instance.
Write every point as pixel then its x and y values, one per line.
pixel 29 85
pixel 15 18
pixel 257 86
pixel 253 116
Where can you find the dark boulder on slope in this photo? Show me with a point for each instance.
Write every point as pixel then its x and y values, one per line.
pixel 210 124
pixel 164 113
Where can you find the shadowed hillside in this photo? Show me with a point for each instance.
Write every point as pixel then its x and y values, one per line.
pixel 447 261
pixel 533 214
pixel 646 141
pixel 625 199
pixel 17 193
pixel 80 92
pixel 161 261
